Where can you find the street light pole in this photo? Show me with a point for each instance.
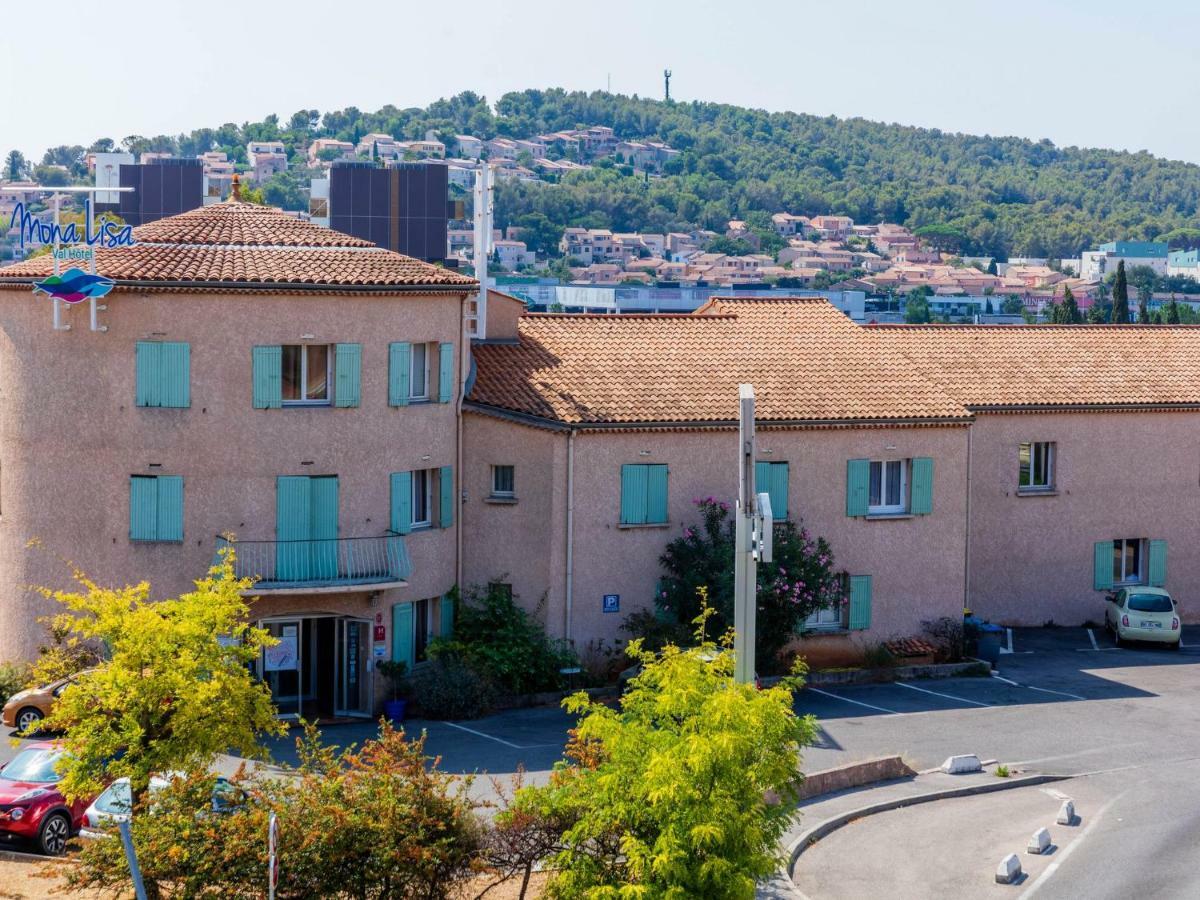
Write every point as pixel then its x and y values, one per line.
pixel 753 530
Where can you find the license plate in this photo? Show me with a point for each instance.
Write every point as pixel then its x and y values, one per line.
pixel 1151 624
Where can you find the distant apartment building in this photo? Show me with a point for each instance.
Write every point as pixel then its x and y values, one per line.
pixel 323 147
pixel 1185 263
pixel 788 225
pixel 162 186
pixel 833 228
pixel 645 155
pixel 468 146
pixel 1097 264
pixel 377 145
pixel 218 175
pixel 266 158
pixel 513 254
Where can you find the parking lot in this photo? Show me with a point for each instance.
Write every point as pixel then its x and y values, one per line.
pixel 1062 699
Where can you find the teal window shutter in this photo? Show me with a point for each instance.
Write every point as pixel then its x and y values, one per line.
pixel 402 634
pixel 921 498
pixel 446 490
pixel 323 530
pixel 445 373
pixel 1102 566
pixel 268 377
pixel 401 502
pixel 148 355
pixel 143 508
pixel 656 494
pixel 446 616
pixel 858 485
pixel 347 374
pixel 399 373
pixel 293 527
pixel 1158 563
pixel 633 495
pixel 163 374
pixel 860 602
pixel 168 524
pixel 772 478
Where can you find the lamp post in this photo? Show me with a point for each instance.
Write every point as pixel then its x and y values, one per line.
pixel 752 541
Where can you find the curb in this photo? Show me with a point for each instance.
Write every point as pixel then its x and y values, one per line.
pixel 822 829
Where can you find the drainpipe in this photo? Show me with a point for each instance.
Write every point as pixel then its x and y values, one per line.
pixel 967 541
pixel 465 343
pixel 570 531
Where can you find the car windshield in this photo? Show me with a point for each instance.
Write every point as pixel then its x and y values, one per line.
pixel 33 765
pixel 115 800
pixel 1150 603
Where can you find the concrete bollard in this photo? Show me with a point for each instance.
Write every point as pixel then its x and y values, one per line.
pixel 961 765
pixel 1066 813
pixel 1040 842
pixel 1009 870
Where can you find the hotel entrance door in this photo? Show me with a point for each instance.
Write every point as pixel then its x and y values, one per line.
pixel 320 668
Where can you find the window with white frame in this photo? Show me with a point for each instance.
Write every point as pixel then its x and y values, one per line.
pixel 422 498
pixel 1128 565
pixel 418 377
pixel 888 491
pixel 1036 466
pixel 826 618
pixel 503 481
pixel 306 373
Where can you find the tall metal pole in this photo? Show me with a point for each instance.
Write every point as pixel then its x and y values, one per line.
pixel 745 567
pixel 483 242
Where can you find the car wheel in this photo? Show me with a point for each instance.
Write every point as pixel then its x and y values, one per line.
pixel 54 834
pixel 28 718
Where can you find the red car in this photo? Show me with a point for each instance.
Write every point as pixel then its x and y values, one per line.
pixel 31 805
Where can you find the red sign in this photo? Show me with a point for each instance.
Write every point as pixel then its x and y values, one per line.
pixel 380 634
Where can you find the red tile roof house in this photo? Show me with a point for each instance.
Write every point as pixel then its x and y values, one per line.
pixel 259 376
pixel 1039 465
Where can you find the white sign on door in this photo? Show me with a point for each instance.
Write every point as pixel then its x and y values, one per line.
pixel 283 656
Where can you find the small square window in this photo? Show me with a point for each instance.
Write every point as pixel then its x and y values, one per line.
pixel 1036 466
pixel 503 483
pixel 888 487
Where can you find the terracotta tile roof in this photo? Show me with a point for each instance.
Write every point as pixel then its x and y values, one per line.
pixel 248 246
pixel 807 361
pixel 1054 365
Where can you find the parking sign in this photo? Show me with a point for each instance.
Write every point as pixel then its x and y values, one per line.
pixel 612 603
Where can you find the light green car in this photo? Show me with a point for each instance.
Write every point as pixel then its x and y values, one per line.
pixel 1143 614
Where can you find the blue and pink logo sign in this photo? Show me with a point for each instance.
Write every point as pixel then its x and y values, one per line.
pixel 74 286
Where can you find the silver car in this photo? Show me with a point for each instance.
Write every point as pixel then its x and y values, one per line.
pixel 113 806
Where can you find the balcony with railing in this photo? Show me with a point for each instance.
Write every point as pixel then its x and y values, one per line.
pixel 320 566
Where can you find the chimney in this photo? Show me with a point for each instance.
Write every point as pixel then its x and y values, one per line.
pixel 237 188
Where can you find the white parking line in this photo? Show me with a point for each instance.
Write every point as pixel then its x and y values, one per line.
pixel 890 712
pixel 1058 693
pixel 482 735
pixel 1092 638
pixel 947 696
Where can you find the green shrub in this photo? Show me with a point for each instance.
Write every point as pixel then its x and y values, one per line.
pixel 877 656
pixel 370 822
pixel 684 791
pixel 949 636
pixel 505 643
pixel 449 687
pixel 14 677
pixel 655 631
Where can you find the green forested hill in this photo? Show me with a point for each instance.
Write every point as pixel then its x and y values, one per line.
pixel 997 196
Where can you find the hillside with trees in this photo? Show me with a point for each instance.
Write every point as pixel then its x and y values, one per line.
pixel 996 196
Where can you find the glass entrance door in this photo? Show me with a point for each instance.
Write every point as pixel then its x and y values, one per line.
pixel 282 667
pixel 353 688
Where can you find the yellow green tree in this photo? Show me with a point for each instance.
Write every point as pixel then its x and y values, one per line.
pixel 175 689
pixel 684 791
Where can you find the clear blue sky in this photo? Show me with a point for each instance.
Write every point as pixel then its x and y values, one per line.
pixel 1096 73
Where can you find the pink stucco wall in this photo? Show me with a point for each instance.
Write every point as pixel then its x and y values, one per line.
pixel 70 437
pixel 917 563
pixel 1118 475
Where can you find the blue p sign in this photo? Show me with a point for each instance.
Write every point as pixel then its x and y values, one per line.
pixel 612 603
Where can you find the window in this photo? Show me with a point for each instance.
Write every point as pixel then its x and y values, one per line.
pixel 1127 561
pixel 503 481
pixel 306 371
pixel 644 494
pixel 156 508
pixel 162 374
pixel 418 379
pixel 422 498
pixel 826 618
pixel 1037 467
pixel 420 629
pixel 888 491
